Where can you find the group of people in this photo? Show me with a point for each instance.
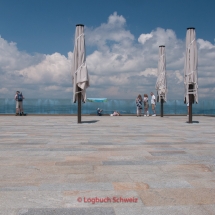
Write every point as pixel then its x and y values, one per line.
pixel 140 103
pixel 144 103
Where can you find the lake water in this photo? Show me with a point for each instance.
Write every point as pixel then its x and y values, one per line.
pixel 124 106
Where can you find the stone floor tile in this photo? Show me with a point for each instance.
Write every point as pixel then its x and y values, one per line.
pixel 183 196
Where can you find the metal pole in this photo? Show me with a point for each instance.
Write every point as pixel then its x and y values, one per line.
pixel 190 108
pixel 79 105
pixel 190 103
pixel 161 107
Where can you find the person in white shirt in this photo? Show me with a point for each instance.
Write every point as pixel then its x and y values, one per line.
pixel 153 103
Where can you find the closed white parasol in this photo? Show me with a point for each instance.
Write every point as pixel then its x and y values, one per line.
pixel 161 84
pixel 80 77
pixel 190 66
pixel 190 71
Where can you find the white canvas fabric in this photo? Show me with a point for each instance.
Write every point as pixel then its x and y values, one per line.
pixel 161 84
pixel 190 66
pixel 80 76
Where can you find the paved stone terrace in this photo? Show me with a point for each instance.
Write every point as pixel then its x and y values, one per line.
pixel 161 165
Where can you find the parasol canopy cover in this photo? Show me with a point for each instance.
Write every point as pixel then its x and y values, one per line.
pixel 190 66
pixel 80 76
pixel 161 84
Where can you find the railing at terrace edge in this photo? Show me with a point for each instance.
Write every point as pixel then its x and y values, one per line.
pixel 124 106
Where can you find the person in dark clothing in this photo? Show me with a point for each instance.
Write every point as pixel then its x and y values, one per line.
pixel 19 106
pixel 99 112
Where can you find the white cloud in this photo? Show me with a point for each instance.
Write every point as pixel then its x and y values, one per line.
pixel 54 68
pixel 12 59
pixel 112 31
pixel 52 88
pixel 143 37
pixel 38 74
pixel 149 71
pixel 179 76
pixel 68 90
pixel 205 44
pixel 120 67
pixel 3 90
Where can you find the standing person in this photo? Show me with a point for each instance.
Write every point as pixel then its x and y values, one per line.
pixel 153 103
pixel 146 105
pixel 19 106
pixel 139 104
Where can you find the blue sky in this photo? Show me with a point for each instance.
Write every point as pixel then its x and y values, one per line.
pixel 38 34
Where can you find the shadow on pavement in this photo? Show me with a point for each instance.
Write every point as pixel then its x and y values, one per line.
pixel 90 121
pixel 193 122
